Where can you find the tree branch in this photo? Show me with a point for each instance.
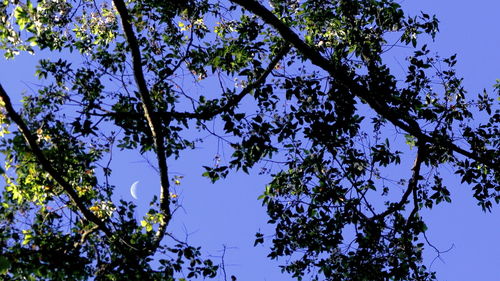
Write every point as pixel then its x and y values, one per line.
pixel 412 185
pixel 154 122
pixel 235 100
pixel 343 76
pixel 47 166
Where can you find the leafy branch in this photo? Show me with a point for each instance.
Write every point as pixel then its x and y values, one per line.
pixel 47 166
pixel 341 74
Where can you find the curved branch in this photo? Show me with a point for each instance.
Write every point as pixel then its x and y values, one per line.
pixel 412 186
pixel 154 122
pixel 342 75
pixel 47 166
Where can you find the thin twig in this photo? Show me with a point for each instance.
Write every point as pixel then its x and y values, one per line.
pixel 412 185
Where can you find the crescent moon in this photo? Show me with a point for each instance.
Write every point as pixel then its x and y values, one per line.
pixel 133 190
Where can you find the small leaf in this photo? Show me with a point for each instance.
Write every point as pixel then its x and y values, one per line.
pixel 4 265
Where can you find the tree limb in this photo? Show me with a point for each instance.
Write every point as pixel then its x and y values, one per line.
pixel 342 75
pixel 47 166
pixel 154 122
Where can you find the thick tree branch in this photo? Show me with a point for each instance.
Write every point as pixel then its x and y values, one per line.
pixel 343 77
pixel 154 122
pixel 47 166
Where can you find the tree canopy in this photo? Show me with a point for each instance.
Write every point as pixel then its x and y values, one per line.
pixel 302 84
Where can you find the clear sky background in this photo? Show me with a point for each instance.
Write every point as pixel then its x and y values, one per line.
pixel 229 214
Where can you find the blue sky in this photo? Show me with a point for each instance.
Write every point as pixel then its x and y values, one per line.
pixel 229 214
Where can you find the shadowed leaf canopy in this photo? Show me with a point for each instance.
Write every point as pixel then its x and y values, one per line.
pixel 354 148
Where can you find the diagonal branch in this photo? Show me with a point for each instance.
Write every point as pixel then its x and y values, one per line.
pixel 342 75
pixel 154 122
pixel 236 99
pixel 47 166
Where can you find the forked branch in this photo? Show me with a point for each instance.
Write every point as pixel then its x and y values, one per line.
pixel 232 102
